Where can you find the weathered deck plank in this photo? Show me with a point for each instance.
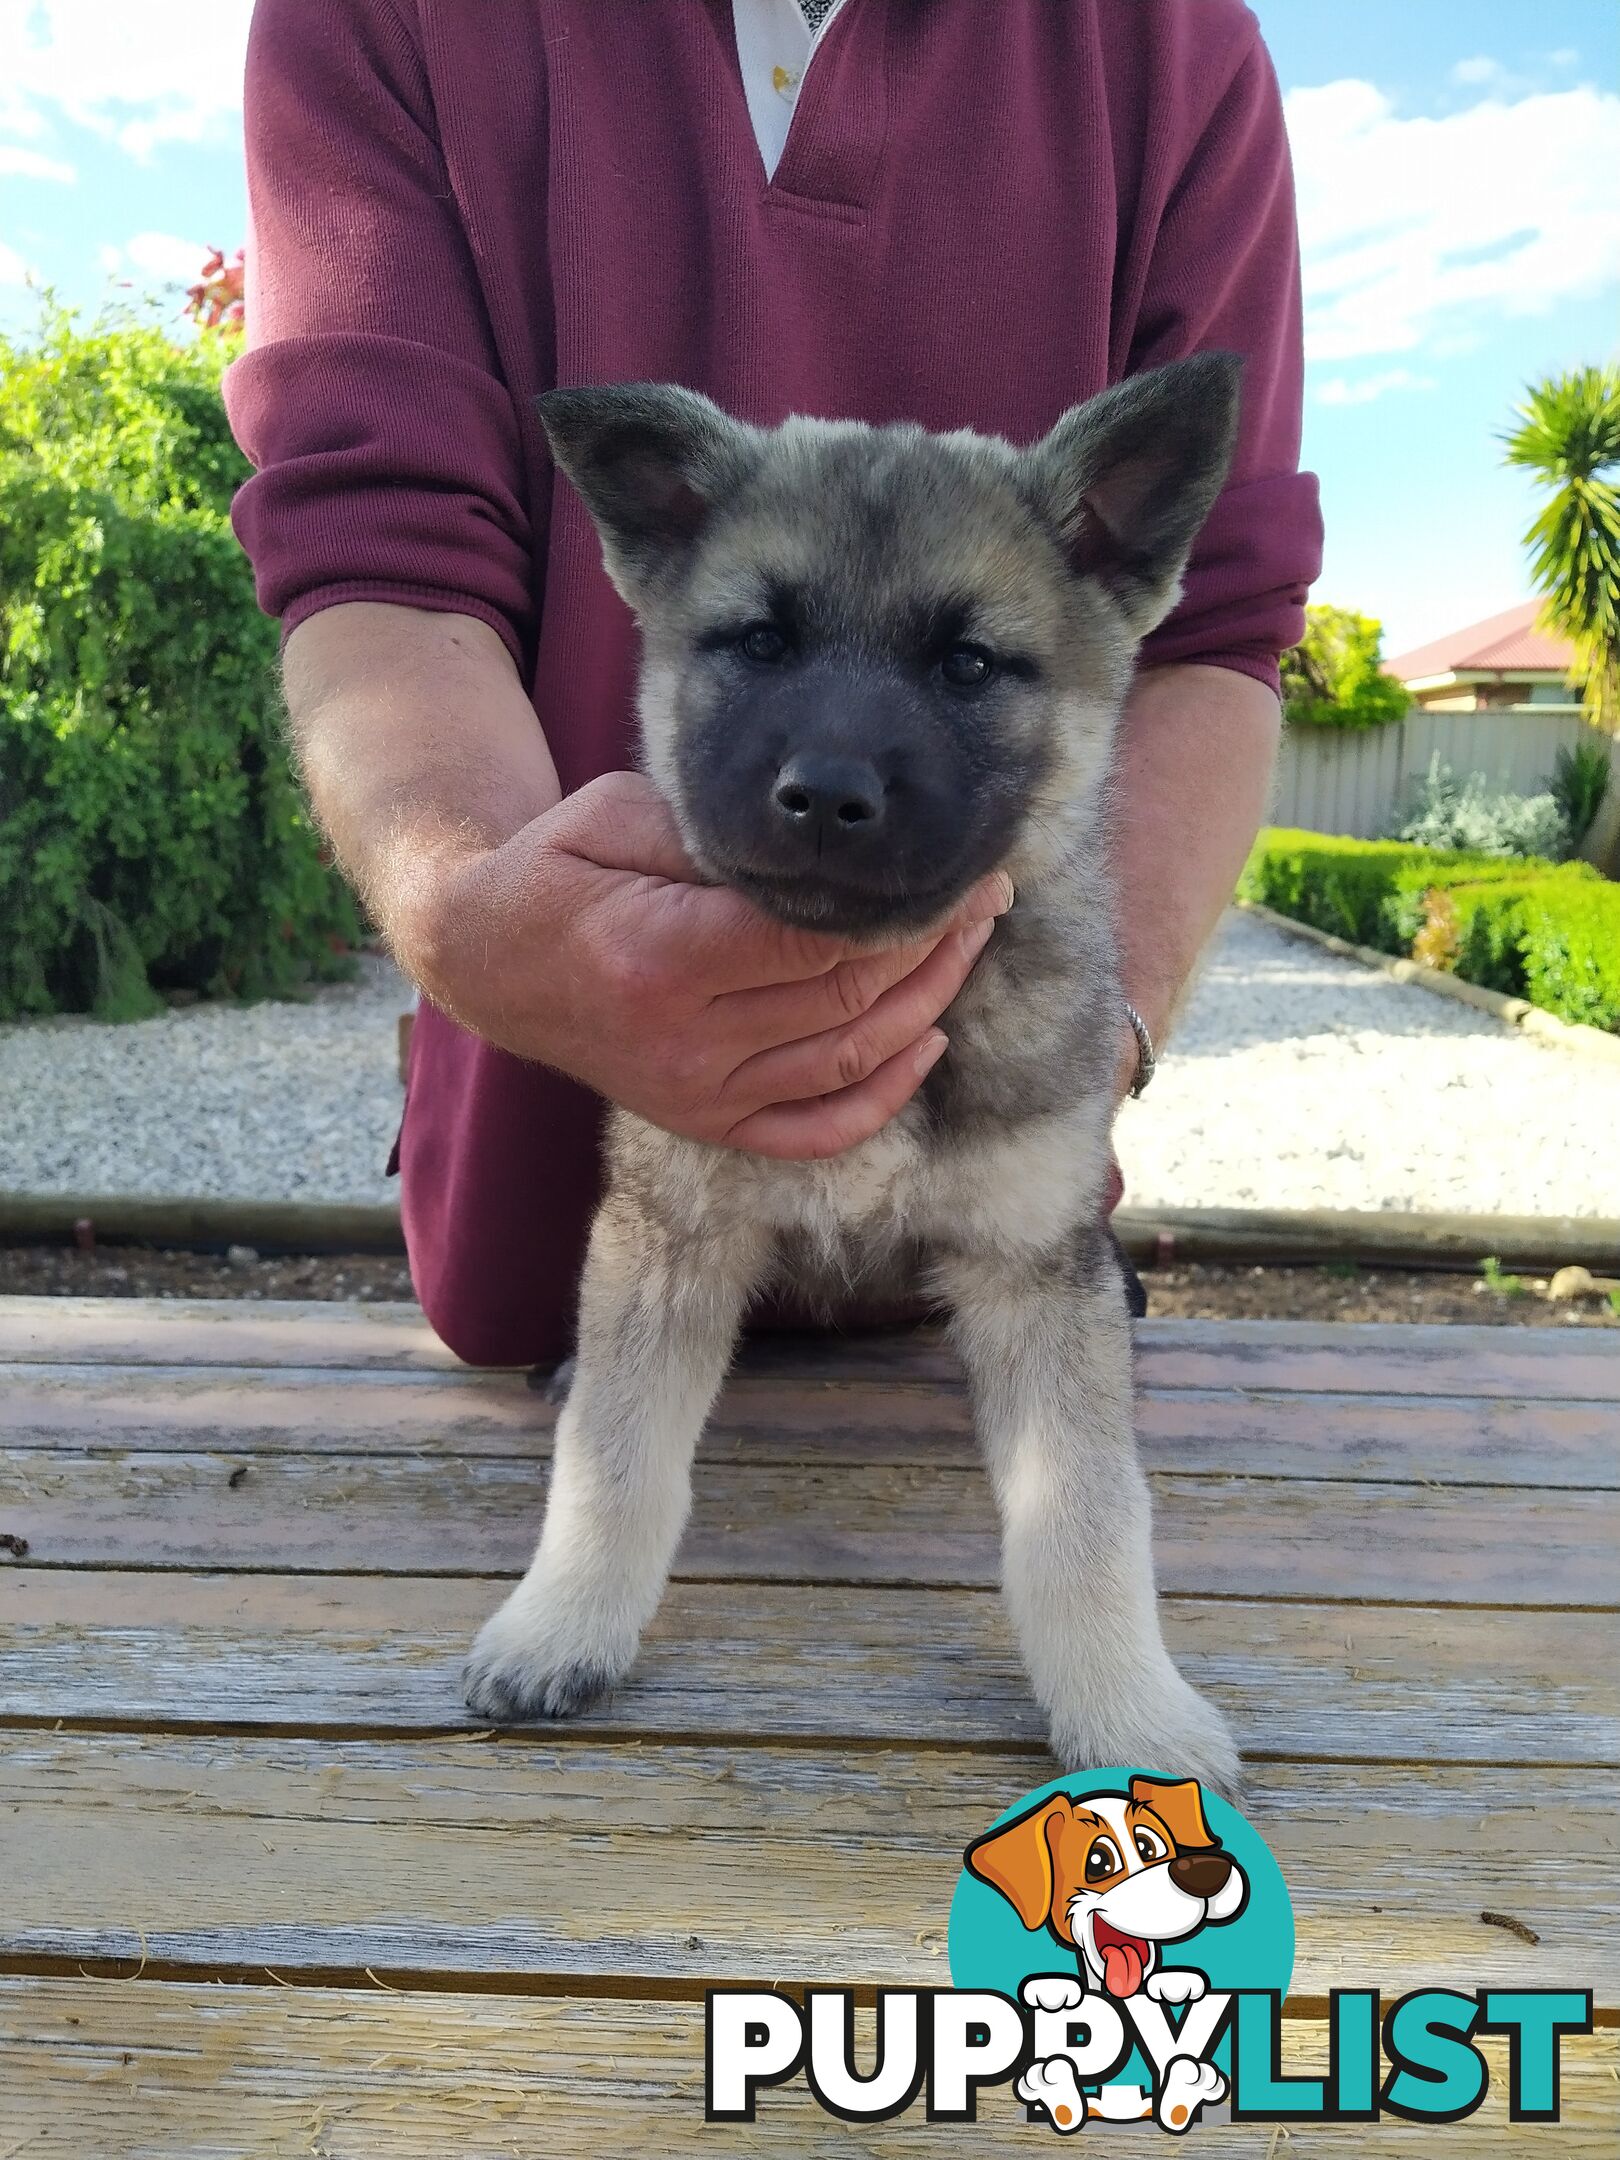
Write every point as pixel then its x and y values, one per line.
pixel 1557 1364
pixel 909 1523
pixel 380 1654
pixel 251 1410
pixel 575 1862
pixel 1375 1541
pixel 146 2071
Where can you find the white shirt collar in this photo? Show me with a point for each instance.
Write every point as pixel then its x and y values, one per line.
pixel 774 48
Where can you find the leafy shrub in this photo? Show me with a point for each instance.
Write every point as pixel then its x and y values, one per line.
pixel 1560 945
pixel 1579 782
pixel 1446 812
pixel 1488 928
pixel 1369 891
pixel 1334 677
pixel 1548 932
pixel 152 835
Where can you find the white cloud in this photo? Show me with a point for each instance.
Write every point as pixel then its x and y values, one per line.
pixel 140 74
pixel 1565 57
pixel 33 164
pixel 1409 225
pixel 1341 390
pixel 1478 70
pixel 166 257
pixel 13 270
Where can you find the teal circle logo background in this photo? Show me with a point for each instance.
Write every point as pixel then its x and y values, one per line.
pixel 990 1947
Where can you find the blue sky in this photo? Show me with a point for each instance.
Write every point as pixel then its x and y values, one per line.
pixel 1459 175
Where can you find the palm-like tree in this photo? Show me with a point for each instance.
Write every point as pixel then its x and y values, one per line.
pixel 1568 436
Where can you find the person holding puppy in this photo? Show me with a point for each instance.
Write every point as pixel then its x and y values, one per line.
pixel 959 215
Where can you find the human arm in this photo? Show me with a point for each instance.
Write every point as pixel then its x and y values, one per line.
pixel 1195 751
pixel 1215 265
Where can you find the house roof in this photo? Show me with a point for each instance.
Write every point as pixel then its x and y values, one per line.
pixel 1501 644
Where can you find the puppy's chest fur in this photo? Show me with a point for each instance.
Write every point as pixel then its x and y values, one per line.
pixel 1004 1149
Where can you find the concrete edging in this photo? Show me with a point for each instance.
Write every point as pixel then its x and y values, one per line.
pixel 198 1224
pixel 1511 1011
pixel 1302 1237
pixel 1454 1244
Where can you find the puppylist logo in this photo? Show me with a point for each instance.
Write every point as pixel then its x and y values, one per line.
pixel 1120 1947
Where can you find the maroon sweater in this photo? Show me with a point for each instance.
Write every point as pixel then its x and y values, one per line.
pixel 983 213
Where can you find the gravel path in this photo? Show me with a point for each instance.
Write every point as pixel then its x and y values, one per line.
pixel 260 1102
pixel 1296 1080
pixel 1299 1080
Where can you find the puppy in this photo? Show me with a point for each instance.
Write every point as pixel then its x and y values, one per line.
pixel 877 664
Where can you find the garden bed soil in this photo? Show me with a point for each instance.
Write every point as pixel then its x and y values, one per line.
pixel 1180 1293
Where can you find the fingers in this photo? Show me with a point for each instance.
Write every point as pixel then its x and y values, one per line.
pixel 786 1008
pixel 789 1012
pixel 828 1124
pixel 841 1056
pixel 733 945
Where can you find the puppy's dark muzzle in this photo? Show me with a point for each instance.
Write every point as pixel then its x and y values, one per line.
pixel 1200 1874
pixel 835 799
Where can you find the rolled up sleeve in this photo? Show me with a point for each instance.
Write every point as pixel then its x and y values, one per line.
pixel 388 453
pixel 1223 274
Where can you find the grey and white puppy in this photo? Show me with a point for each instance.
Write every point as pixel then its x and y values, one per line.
pixel 877 663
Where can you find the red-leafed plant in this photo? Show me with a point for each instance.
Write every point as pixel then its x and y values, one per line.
pixel 216 298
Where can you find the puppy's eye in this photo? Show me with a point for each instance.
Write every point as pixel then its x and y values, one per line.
pixel 1102 1858
pixel 764 644
pixel 1150 1845
pixel 967 667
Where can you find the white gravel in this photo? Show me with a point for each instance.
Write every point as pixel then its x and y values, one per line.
pixel 248 1102
pixel 1299 1080
pixel 1296 1080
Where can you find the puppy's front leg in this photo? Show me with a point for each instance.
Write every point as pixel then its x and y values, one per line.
pixel 1046 1342
pixel 658 1321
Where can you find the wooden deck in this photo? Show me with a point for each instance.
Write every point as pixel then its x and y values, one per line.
pixel 263 1892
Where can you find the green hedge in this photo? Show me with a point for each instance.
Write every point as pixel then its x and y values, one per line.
pixel 1549 932
pixel 1557 945
pixel 152 834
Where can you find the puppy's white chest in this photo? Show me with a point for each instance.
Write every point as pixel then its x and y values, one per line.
pixel 875 1189
pixel 1019 1191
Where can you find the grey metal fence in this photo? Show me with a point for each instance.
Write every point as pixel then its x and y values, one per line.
pixel 1328 780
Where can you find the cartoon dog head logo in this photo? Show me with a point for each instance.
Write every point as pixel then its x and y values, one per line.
pixel 1114 1875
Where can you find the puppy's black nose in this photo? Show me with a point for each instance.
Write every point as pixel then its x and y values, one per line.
pixel 1200 1874
pixel 831 797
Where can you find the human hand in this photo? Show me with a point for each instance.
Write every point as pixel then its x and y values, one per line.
pixel 586 943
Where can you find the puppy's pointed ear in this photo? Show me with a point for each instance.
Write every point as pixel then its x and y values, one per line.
pixel 1179 1805
pixel 1017 1861
pixel 651 461
pixel 1130 476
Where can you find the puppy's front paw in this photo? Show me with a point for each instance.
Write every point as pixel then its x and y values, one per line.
pixel 1188 2086
pixel 1162 1725
pixel 1177 1984
pixel 525 1664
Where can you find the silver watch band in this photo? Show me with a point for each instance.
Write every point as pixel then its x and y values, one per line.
pixel 1146 1057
